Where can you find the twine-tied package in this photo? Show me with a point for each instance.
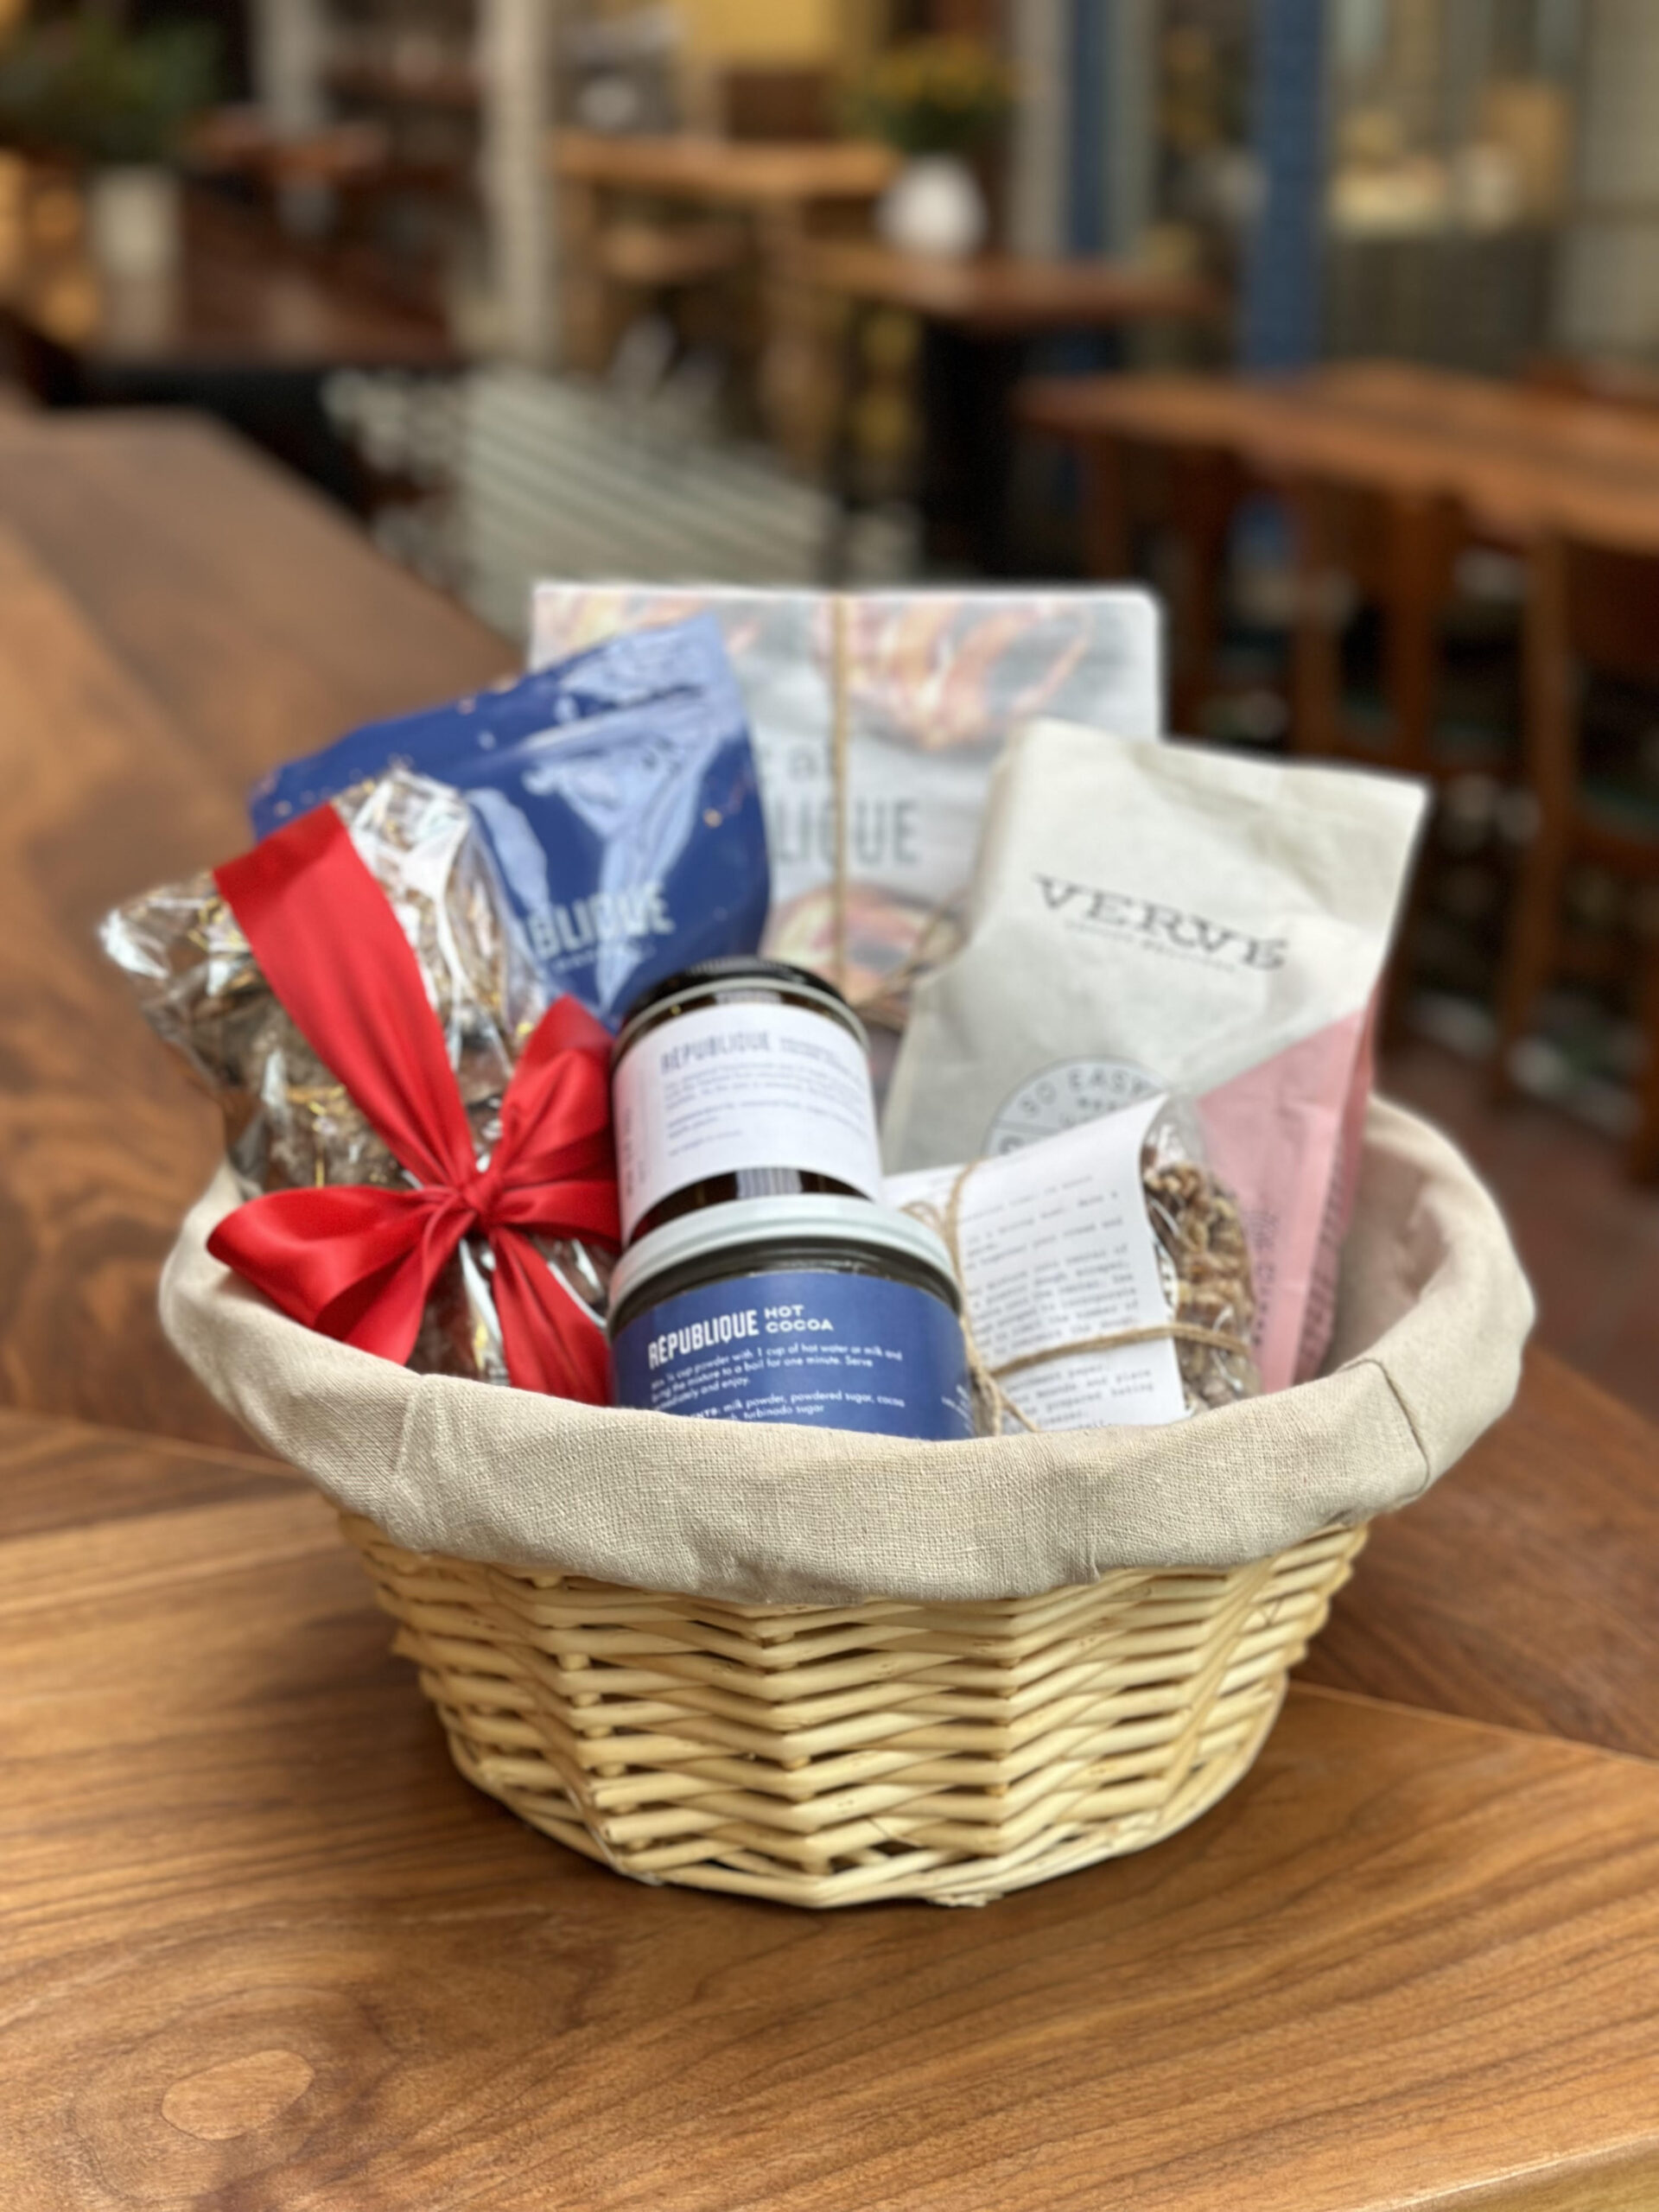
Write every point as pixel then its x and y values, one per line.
pixel 877 718
pixel 1104 1271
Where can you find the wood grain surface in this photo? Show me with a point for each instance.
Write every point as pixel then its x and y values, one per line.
pixel 257 619
pixel 266 1950
pixel 1535 466
pixel 242 297
pixel 1524 1588
pixel 101 1137
pixel 62 1474
pixel 724 171
pixel 1006 292
pixel 174 616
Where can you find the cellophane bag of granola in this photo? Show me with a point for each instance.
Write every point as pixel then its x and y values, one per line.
pixel 289 1123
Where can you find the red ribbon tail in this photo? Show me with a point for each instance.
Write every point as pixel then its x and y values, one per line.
pixel 552 1341
pixel 330 946
pixel 355 1263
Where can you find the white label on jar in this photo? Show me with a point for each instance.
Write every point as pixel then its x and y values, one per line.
pixel 746 1084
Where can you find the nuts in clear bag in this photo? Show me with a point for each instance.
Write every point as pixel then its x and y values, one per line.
pixel 1204 1261
pixel 1104 1270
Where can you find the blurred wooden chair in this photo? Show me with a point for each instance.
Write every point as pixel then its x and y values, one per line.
pixel 665 256
pixel 341 195
pixel 1168 512
pixel 778 104
pixel 1397 552
pixel 1353 549
pixel 1615 384
pixel 1587 608
pixel 625 257
pixel 1199 493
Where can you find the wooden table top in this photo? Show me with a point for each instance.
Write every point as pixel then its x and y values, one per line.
pixel 265 1946
pixel 1511 417
pixel 239 301
pixel 730 171
pixel 1007 293
pixel 1520 462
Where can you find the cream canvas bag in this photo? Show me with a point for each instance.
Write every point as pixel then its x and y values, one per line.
pixel 1167 918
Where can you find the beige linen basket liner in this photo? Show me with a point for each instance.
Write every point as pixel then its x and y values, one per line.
pixel 1082 1639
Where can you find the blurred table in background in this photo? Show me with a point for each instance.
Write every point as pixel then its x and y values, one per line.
pixel 641 217
pixel 247 329
pixel 1589 375
pixel 1445 460
pixel 1513 462
pixel 979 318
pixel 1518 460
pixel 786 174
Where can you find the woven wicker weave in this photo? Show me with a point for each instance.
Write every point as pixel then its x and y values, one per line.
pixel 825 1756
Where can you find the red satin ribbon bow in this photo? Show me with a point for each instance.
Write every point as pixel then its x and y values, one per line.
pixel 358 1262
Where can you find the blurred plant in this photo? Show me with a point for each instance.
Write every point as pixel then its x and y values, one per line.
pixel 83 87
pixel 935 96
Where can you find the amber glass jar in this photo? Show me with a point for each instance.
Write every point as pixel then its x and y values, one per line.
pixel 740 1079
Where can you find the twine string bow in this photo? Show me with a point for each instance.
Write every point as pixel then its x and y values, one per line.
pixel 986 1377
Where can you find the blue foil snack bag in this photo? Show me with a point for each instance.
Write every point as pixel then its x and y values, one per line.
pixel 618 794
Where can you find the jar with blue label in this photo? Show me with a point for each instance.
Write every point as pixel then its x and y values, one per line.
pixel 832 1312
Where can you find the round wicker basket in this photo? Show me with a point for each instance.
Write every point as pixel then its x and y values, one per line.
pixel 836 1755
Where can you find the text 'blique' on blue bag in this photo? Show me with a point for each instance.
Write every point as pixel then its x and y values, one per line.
pixel 618 794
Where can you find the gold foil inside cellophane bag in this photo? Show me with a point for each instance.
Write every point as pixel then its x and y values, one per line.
pixel 289 1123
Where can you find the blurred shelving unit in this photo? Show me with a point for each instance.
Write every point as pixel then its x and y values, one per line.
pixel 454 97
pixel 1491 173
pixel 1452 176
pixel 1606 302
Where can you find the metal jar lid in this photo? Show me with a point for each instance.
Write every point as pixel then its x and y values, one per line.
pixel 753 1224
pixel 705 980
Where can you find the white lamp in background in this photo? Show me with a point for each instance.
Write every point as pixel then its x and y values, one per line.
pixel 133 221
pixel 934 206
